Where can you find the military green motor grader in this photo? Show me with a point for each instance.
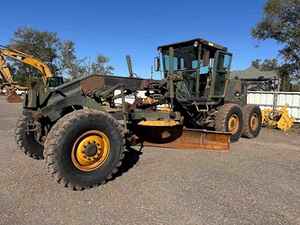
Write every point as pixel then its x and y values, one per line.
pixel 82 127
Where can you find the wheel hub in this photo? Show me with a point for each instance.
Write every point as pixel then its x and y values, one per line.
pixel 233 124
pixel 254 122
pixel 90 150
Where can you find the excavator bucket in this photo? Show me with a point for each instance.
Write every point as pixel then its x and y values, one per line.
pixel 197 140
pixel 278 118
pixel 13 98
pixel 286 121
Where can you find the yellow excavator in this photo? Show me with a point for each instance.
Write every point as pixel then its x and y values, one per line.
pixel 8 86
pixel 8 83
pixel 278 118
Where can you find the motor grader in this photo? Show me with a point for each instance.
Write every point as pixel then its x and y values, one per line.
pixel 82 128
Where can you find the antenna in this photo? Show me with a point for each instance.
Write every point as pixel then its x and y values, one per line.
pixel 152 72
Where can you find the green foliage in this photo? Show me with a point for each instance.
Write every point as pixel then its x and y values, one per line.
pixel 59 55
pixel 281 22
pixel 283 71
pixel 70 64
pixel 101 66
pixel 86 66
pixel 266 65
pixel 40 44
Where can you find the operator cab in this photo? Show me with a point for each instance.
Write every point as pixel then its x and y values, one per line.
pixel 204 67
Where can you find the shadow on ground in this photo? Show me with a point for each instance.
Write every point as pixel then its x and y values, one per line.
pixel 131 157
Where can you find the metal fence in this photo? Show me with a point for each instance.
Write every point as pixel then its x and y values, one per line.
pixel 270 99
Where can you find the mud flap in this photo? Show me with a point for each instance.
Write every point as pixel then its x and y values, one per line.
pixel 195 139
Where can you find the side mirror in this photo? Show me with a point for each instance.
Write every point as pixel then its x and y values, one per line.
pixel 156 64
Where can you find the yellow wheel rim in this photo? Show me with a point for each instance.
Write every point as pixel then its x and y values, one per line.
pixel 233 124
pixel 254 122
pixel 90 150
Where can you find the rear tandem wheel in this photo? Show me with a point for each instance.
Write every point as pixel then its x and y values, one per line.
pixel 229 118
pixel 252 121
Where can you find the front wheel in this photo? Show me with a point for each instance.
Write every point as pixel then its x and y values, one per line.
pixel 84 148
pixel 229 118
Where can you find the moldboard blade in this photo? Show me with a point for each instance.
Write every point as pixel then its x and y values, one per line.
pixel 195 139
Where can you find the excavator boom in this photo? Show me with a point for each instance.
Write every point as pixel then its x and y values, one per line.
pixel 6 75
pixel 4 71
pixel 8 83
pixel 28 60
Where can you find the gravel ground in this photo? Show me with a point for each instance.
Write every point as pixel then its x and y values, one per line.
pixel 257 182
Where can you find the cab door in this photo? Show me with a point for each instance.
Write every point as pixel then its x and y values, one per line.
pixel 220 74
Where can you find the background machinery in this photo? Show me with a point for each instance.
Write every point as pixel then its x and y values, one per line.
pixel 8 83
pixel 277 118
pixel 82 132
pixel 8 86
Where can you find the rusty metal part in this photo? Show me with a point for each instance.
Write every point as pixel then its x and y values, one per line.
pixel 149 101
pixel 198 140
pixel 91 84
pixel 13 98
pixel 36 115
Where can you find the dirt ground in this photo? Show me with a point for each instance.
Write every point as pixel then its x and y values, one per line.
pixel 257 182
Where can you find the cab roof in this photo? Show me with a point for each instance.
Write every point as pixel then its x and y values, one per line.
pixel 191 42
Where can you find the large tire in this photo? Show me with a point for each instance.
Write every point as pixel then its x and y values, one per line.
pixel 67 140
pixel 229 118
pixel 26 140
pixel 252 121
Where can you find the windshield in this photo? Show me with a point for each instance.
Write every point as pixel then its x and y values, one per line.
pixel 185 58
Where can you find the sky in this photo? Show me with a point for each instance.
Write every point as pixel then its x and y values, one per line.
pixel 116 28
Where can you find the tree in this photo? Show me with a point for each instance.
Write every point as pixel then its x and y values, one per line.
pixel 59 55
pixel 67 55
pixel 273 65
pixel 100 66
pixel 281 22
pixel 70 64
pixel 256 63
pixel 75 67
pixel 266 65
pixel 40 44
